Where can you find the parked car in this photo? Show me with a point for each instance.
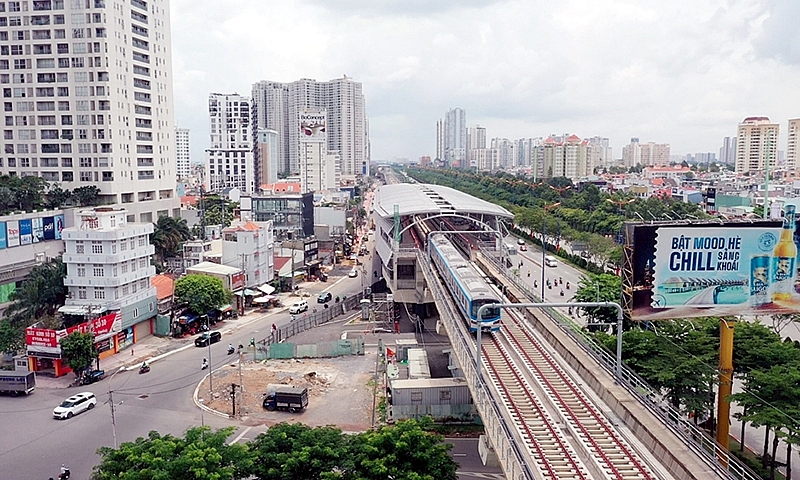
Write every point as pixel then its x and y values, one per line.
pixel 91 376
pixel 523 248
pixel 74 405
pixel 353 273
pixel 204 338
pixel 298 307
pixel 324 297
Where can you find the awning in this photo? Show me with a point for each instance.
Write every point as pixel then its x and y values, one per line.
pixel 251 293
pixel 297 273
pixel 74 309
pixel 267 288
pixel 264 299
pixel 225 308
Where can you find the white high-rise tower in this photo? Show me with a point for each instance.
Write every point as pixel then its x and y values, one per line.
pixel 182 153
pixel 88 99
pixel 229 160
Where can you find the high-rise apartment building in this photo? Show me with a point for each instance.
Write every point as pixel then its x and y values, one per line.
pixel 87 90
pixel 600 153
pixel 506 151
pixel 727 152
pixel 229 159
pixel 791 144
pixel 319 169
pixel 454 138
pixel 756 145
pixel 182 153
pixel 647 154
pixel 278 106
pixel 476 139
pixel 440 139
pixel 265 148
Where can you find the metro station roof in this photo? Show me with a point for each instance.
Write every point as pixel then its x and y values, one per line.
pixel 423 198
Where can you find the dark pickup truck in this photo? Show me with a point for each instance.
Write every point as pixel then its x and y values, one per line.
pixel 286 398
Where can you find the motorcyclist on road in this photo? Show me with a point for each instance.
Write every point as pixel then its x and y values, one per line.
pixel 567 285
pixel 205 364
pixel 144 365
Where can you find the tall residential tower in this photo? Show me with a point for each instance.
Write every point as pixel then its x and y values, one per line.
pixel 756 145
pixel 87 93
pixel 229 160
pixel 182 153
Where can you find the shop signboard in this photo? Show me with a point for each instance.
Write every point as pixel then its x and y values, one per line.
pixel 41 337
pixel 712 269
pixel 104 324
pixel 12 233
pixel 25 232
pixel 237 281
pixel 103 345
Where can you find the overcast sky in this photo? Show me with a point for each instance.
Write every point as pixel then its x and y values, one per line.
pixel 678 71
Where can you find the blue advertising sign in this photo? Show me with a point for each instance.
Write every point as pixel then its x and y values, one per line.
pixel 25 232
pixel 3 241
pixel 59 219
pixel 725 270
pixel 49 227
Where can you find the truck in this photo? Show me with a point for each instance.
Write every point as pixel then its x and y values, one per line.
pixel 284 397
pixel 17 382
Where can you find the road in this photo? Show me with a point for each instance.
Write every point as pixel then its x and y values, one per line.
pixel 160 400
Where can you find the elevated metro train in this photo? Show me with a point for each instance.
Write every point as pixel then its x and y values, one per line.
pixel 470 290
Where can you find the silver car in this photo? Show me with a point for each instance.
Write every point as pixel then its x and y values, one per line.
pixel 75 405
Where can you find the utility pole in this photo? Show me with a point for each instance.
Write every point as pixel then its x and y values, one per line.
pixel 233 399
pixel 241 385
pixel 113 417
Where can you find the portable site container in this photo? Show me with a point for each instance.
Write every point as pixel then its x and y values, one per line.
pixel 440 398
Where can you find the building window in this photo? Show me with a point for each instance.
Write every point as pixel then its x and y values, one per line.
pixel 113 245
pixel 123 246
pixel 97 247
pixel 97 271
pixel 99 294
pixel 79 247
pixel 142 263
pixel 124 268
pixel 82 293
pixel 143 283
pixel 133 244
pixel 142 241
pixel 81 271
pixel 125 290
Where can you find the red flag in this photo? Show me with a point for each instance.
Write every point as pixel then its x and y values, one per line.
pixel 389 352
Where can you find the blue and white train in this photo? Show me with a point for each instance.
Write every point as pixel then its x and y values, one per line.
pixel 469 289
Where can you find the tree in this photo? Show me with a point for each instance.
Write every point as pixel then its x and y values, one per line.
pixel 78 351
pixel 28 191
pixel 168 235
pixel 599 288
pixel 87 195
pixel 218 211
pixel 201 292
pixel 57 197
pixel 199 455
pixel 404 450
pixel 41 293
pixel 11 337
pixel 288 451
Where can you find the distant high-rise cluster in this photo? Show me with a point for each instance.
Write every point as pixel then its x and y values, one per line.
pixel 230 156
pixel 451 138
pixel 727 152
pixel 791 144
pixel 756 145
pixel 646 154
pixel 279 106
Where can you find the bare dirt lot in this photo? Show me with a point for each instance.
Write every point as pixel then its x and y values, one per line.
pixel 339 390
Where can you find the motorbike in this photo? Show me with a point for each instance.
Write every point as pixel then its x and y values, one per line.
pixel 64 475
pixel 205 365
pixel 567 285
pixel 144 369
pixel 230 350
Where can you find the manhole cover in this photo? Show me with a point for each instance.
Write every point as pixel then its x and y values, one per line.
pixel 143 396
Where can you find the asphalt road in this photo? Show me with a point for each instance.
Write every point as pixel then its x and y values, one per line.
pixel 33 445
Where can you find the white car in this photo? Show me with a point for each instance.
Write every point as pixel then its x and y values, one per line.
pixel 353 273
pixel 298 307
pixel 75 405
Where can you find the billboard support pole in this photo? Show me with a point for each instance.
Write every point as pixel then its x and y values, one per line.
pixel 615 305
pixel 725 381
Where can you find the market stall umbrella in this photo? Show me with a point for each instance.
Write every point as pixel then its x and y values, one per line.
pixel 264 299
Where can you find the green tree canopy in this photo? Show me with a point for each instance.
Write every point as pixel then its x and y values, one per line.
pixel 600 288
pixel 218 211
pixel 57 197
pixel 287 451
pixel 77 349
pixel 41 293
pixel 12 337
pixel 199 455
pixel 168 236
pixel 201 292
pixel 87 195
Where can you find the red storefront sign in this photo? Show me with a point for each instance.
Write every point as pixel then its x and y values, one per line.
pixel 237 281
pixel 104 324
pixel 41 337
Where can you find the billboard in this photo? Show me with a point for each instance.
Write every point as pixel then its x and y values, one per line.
pixel 312 127
pixel 38 229
pixel 25 232
pixel 59 220
pixel 12 233
pixel 712 269
pixel 49 227
pixel 3 239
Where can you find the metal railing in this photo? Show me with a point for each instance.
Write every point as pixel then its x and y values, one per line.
pixel 693 437
pixel 307 321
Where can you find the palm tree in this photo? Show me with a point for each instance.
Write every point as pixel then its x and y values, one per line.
pixel 169 235
pixel 41 293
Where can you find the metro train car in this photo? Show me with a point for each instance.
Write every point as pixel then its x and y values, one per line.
pixel 469 289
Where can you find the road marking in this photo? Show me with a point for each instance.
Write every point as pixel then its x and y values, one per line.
pixel 335 283
pixel 244 432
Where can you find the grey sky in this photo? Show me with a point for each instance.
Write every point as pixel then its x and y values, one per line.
pixel 678 71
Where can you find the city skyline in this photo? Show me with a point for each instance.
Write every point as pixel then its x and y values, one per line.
pixel 606 69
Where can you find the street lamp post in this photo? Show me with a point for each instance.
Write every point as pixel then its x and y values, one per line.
pixel 544 242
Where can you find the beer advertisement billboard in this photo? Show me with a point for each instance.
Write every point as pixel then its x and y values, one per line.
pixel 12 233
pixel 712 269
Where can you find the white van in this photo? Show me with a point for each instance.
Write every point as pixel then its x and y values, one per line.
pixel 550 261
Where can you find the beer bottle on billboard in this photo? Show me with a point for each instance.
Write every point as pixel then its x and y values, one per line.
pixel 783 258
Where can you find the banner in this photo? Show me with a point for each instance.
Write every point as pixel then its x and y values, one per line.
pixel 3 239
pixel 25 232
pixel 106 323
pixel 49 226
pixel 59 219
pixel 12 233
pixel 41 337
pixel 38 230
pixel 712 269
